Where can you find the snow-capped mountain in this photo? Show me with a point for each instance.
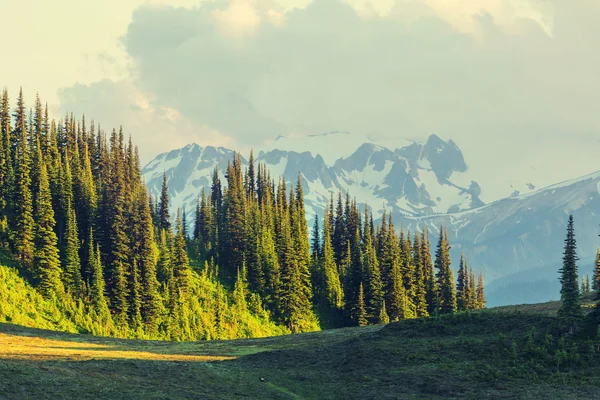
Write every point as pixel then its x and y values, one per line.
pixel 418 179
pixel 520 240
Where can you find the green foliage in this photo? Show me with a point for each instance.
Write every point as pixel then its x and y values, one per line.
pixel 47 260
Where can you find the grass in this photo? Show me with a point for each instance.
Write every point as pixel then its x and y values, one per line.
pixel 469 356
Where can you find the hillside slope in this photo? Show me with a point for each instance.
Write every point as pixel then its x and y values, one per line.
pixel 480 355
pixel 21 304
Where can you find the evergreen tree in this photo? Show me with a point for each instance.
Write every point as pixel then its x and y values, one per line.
pixel 135 299
pixel 588 286
pixel 596 274
pixel 117 240
pixel 163 213
pixel 431 290
pixel 467 299
pixel 149 286
pixel 445 276
pixel 374 293
pixel 473 304
pixel 359 313
pixel 180 261
pixel 480 294
pixel 234 233
pixel 420 280
pixel 71 262
pixel 47 261
pixel 23 225
pixel 462 289
pixel 97 286
pixel 570 308
pixel 328 288
pixel 383 316
pixel 316 242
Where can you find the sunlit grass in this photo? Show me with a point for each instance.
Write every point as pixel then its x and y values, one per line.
pixel 37 348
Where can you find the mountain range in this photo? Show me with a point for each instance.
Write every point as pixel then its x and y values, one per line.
pixel 516 241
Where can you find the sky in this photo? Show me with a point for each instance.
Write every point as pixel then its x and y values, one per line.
pixel 514 83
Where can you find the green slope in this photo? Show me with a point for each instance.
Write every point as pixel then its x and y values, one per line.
pixel 462 356
pixel 21 304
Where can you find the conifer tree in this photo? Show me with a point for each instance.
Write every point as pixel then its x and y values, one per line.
pixel 374 293
pixel 254 267
pixel 570 308
pixel 383 316
pixel 473 304
pixel 71 262
pixel 163 213
pixel 196 235
pixel 97 286
pixel 234 233
pixel 316 242
pixel 359 313
pixel 180 261
pixel 135 299
pixel 420 280
pixel 480 292
pixel 268 258
pixel 431 291
pixel 462 289
pixel 149 286
pixel 184 224
pixel 6 167
pixel 116 241
pixel 354 275
pixel 407 269
pixel 339 232
pixel 445 276
pixel 47 261
pixel 467 299
pixel 23 203
pixel 164 268
pixel 588 287
pixel 596 274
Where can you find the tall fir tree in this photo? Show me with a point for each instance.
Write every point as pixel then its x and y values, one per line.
pixel 596 274
pixel 462 288
pixel 570 308
pixel 47 260
pixel 180 261
pixel 420 281
pixel 372 276
pixel 71 261
pixel 23 225
pixel 480 292
pixel 431 291
pixel 163 205
pixel 445 275
pixel 359 312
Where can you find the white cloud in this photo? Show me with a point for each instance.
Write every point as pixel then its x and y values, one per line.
pixel 507 79
pixel 239 19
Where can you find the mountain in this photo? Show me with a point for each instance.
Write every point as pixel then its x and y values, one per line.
pixel 517 241
pixel 418 179
pixel 520 239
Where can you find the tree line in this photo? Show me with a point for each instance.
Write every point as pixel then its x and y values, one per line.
pixel 76 216
pixel 347 272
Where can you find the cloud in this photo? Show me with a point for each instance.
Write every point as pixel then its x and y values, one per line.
pixel 154 128
pixel 504 79
pixel 238 19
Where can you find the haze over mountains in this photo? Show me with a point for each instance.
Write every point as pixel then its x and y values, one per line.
pixel 516 238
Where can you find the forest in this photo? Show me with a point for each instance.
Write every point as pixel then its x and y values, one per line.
pixel 77 222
